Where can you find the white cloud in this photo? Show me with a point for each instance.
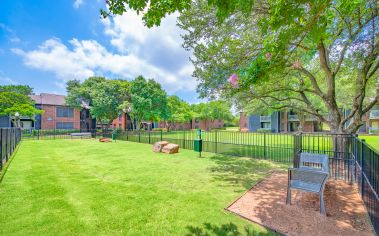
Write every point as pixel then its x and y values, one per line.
pixel 154 53
pixel 87 58
pixel 77 3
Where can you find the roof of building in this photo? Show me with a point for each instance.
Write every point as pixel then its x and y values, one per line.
pixel 49 99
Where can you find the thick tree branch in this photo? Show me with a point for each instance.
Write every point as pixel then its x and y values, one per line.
pixel 371 104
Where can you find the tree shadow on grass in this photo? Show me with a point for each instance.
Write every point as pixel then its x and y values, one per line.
pixel 242 171
pixel 222 230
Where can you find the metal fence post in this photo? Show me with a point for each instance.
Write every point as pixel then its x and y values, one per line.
pixel 139 136
pixel 216 141
pixel 362 165
pixel 161 135
pixel 149 136
pixel 297 148
pixel 264 145
pixel 184 139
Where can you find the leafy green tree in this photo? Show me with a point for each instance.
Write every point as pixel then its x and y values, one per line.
pixel 313 57
pixel 148 101
pixel 213 110
pixel 153 11
pixel 178 111
pixel 12 102
pixel 21 89
pixel 287 54
pixel 103 97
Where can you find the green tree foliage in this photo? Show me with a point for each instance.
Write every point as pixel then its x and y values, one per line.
pixel 148 101
pixel 178 111
pixel 213 110
pixel 15 99
pixel 21 89
pixel 103 97
pixel 312 57
pixel 288 54
pixel 153 11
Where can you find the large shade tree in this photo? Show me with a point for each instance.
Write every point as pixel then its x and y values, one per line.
pixel 213 110
pixel 286 54
pixel 14 100
pixel 178 111
pixel 148 101
pixel 102 96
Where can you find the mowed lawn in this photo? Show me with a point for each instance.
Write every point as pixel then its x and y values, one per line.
pixel 83 187
pixel 372 140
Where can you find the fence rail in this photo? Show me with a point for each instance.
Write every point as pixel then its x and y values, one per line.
pixel 9 139
pixel 350 158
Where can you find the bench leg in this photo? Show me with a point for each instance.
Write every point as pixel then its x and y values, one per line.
pixel 322 206
pixel 288 201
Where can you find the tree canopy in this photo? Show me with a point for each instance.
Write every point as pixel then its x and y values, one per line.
pixel 313 57
pixel 178 111
pixel 15 99
pixel 103 97
pixel 294 55
pixel 213 110
pixel 148 101
pixel 21 89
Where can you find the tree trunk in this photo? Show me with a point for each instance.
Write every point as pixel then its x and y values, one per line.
pixel 301 117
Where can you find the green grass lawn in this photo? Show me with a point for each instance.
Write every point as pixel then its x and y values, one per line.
pixel 83 187
pixel 372 140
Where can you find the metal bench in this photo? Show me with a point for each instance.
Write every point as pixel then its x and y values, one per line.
pixel 87 134
pixel 310 176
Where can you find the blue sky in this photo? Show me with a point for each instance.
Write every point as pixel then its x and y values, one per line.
pixel 44 43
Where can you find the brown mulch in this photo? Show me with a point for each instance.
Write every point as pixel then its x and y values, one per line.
pixel 265 204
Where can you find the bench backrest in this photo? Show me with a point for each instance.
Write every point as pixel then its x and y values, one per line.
pixel 317 161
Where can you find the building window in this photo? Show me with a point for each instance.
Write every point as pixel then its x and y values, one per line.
pixel 266 125
pixel 65 112
pixel 64 125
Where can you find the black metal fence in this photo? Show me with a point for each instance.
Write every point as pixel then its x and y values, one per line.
pixel 30 134
pixel 350 158
pixel 9 139
pixel 367 176
pixel 268 146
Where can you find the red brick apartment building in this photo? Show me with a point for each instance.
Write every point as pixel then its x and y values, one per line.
pixel 123 122
pixel 59 116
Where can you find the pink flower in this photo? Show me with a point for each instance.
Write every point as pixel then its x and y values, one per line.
pixel 268 56
pixel 296 64
pixel 233 79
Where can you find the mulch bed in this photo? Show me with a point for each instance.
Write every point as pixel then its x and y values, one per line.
pixel 265 204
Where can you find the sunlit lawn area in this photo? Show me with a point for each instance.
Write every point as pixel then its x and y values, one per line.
pixel 83 187
pixel 372 140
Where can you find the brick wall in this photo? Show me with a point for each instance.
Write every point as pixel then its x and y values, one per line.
pixel 122 122
pixel 207 124
pixel 49 118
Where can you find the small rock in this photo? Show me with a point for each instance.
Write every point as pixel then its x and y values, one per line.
pixel 171 148
pixel 157 147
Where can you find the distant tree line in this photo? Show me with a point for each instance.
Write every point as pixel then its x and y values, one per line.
pixel 142 100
